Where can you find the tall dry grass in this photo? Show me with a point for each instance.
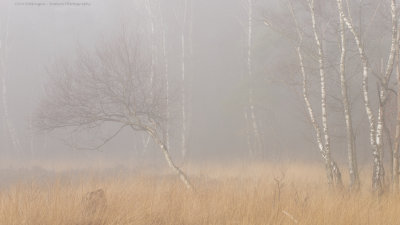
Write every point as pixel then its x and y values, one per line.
pixel 241 194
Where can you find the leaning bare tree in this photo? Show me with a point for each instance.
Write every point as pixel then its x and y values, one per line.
pixel 111 87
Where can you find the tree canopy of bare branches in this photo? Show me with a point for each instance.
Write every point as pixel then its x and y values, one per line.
pixel 109 87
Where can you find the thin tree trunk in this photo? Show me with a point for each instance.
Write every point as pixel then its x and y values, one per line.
pixel 169 160
pixel 383 92
pixel 152 42
pixel 183 92
pixel 371 118
pixel 389 144
pixel 164 44
pixel 378 153
pixel 258 143
pixel 312 118
pixel 395 156
pixel 248 132
pixel 376 133
pixel 335 170
pixel 330 166
pixel 376 185
pixel 351 151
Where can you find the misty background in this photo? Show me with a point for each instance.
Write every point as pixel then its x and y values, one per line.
pixel 38 36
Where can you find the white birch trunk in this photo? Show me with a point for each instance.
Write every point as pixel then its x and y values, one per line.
pixel 169 160
pixel 166 68
pixel 378 154
pixel 351 151
pixel 183 92
pixel 311 115
pixel 333 167
pixel 248 132
pixel 258 144
pixel 330 166
pixel 371 118
pixel 376 130
pixel 386 79
pixel 395 155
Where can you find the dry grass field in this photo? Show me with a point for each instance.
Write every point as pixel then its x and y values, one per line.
pixel 241 194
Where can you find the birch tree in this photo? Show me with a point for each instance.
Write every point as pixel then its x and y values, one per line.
pixel 183 73
pixel 395 159
pixel 316 37
pixel 376 125
pixel 333 167
pixel 108 88
pixel 322 135
pixel 166 74
pixel 254 139
pixel 351 149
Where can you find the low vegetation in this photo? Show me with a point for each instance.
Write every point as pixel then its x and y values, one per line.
pixel 240 194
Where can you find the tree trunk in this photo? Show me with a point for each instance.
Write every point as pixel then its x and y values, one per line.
pixel 376 179
pixel 351 151
pixel 258 143
pixel 314 123
pixel 332 171
pixel 183 92
pixel 336 176
pixel 166 70
pixel 395 156
pixel 248 132
pixel 167 157
pixel 152 39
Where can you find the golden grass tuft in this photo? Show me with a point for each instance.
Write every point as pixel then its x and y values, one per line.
pixel 256 194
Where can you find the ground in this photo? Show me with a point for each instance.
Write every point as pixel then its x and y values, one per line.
pixel 245 193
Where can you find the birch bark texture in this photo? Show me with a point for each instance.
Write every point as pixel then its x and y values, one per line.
pixel 335 177
pixel 322 136
pixel 376 127
pixel 351 148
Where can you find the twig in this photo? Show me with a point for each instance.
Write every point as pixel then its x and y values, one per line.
pixel 290 216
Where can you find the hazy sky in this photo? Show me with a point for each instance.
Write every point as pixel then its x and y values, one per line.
pixel 40 35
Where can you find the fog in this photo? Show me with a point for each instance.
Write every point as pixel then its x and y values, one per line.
pixel 40 35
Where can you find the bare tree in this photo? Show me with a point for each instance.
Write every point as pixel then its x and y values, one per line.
pixel 111 87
